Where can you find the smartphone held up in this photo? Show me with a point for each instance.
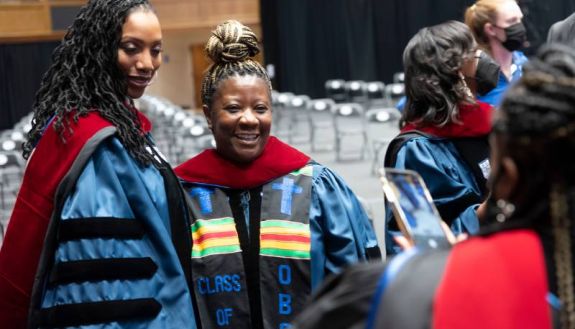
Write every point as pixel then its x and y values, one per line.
pixel 413 209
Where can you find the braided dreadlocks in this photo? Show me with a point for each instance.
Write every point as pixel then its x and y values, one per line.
pixel 539 113
pixel 85 77
pixel 230 48
pixel 537 126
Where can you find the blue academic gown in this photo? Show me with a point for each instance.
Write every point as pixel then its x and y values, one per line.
pixel 341 232
pixel 448 178
pixel 274 228
pixel 114 187
pixel 340 229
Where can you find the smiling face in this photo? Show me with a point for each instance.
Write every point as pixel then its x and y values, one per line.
pixel 139 52
pixel 240 117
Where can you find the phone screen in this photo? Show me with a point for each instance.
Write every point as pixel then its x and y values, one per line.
pixel 413 206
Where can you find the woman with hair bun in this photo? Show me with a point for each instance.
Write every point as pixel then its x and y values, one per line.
pixel 269 223
pixel 498 29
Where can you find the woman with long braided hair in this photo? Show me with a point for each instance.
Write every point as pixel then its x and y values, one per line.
pixel 99 232
pixel 518 272
pixel 269 223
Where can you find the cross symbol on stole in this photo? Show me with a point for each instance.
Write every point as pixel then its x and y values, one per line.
pixel 288 188
pixel 203 196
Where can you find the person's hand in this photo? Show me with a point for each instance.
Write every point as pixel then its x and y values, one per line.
pixel 482 211
pixel 405 244
pixel 451 237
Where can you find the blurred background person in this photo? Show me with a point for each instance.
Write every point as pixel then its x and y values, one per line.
pixel 563 32
pixel 497 26
pixel 268 221
pixel 443 128
pixel 93 235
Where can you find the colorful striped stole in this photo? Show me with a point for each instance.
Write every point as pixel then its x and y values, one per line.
pixel 214 236
pixel 283 238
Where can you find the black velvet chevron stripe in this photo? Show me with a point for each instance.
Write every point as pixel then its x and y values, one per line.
pixel 100 227
pixel 102 269
pixel 72 315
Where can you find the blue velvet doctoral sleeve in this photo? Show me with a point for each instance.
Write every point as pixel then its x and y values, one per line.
pixel 449 180
pixel 114 187
pixel 340 229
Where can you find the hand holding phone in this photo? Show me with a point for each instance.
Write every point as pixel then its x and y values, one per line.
pixel 413 209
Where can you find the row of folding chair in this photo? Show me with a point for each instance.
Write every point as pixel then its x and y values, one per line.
pixel 11 168
pixel 179 134
pixel 349 129
pixel 369 94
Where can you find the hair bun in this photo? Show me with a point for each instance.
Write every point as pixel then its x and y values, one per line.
pixel 232 41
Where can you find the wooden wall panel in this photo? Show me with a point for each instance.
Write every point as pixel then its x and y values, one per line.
pixel 193 14
pixel 63 3
pixel 29 20
pixel 26 19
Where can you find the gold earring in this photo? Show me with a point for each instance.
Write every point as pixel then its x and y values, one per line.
pixel 464 87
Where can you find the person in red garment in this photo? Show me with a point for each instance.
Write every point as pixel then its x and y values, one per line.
pixel 444 129
pixel 269 223
pixel 518 272
pixel 98 237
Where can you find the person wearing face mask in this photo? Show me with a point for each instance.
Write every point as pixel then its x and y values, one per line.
pixel 498 29
pixel 443 128
pixel 269 223
pixel 98 237
pixel 518 272
pixel 486 77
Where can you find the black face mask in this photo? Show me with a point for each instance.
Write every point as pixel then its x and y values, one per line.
pixel 487 75
pixel 515 37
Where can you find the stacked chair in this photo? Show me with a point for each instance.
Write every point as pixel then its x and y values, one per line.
pixel 321 122
pixel 382 126
pixel 350 130
pixel 179 134
pixel 394 92
pixel 11 168
pixel 399 77
pixel 281 117
pixel 297 111
pixel 356 92
pixel 375 93
pixel 335 89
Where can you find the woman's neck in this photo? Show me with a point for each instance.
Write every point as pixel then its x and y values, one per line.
pixel 502 56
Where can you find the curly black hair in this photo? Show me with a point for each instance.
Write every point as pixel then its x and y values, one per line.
pixel 85 77
pixel 433 86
